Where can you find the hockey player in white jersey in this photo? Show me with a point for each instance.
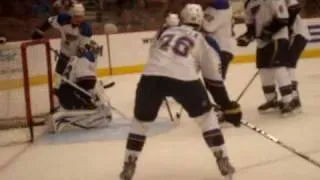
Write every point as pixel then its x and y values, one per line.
pixel 267 21
pixel 176 58
pixel 299 36
pixel 72 27
pixel 218 26
pixel 81 95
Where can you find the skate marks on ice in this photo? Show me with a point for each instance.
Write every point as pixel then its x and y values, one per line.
pixel 118 129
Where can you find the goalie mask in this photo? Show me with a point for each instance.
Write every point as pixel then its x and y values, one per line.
pixel 77 12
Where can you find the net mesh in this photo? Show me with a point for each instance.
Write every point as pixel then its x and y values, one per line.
pixel 14 126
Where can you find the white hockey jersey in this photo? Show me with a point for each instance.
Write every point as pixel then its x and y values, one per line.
pixel 181 53
pixel 81 67
pixel 299 26
pixel 218 24
pixel 70 33
pixel 261 12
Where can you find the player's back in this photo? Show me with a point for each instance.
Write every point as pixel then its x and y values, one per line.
pixel 175 53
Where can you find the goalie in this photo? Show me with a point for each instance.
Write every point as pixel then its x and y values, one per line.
pixel 81 95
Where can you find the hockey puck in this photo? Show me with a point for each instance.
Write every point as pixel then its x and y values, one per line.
pixel 178 115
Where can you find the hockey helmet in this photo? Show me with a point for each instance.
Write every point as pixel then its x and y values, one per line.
pixel 192 14
pixel 172 19
pixel 77 9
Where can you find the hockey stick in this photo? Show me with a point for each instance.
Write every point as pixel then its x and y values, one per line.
pixel 247 86
pixel 270 137
pixel 169 109
pixel 178 115
pixel 277 141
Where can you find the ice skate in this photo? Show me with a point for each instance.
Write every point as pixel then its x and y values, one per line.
pixel 296 105
pixel 224 165
pixel 269 106
pixel 286 108
pixel 129 168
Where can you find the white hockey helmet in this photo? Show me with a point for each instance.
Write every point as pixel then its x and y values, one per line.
pixel 172 19
pixel 192 14
pixel 77 9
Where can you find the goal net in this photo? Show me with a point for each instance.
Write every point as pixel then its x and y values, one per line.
pixel 24 100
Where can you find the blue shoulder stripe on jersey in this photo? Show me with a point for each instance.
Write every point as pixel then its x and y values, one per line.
pixel 219 4
pixel 213 43
pixel 85 29
pixel 89 56
pixel 64 19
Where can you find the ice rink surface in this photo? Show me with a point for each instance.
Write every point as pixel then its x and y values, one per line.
pixel 181 154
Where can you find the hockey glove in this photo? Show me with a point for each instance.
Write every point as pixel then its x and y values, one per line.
pixel 37 35
pixel 244 40
pixel 266 35
pixel 233 114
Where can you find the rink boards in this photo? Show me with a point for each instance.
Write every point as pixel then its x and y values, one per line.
pixel 123 53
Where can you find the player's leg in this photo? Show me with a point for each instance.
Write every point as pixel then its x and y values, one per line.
pixel 194 99
pixel 226 58
pixel 267 78
pixel 296 48
pixel 274 68
pixel 282 77
pixel 149 97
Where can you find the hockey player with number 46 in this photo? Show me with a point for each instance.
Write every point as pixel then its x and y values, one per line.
pixel 81 95
pixel 176 59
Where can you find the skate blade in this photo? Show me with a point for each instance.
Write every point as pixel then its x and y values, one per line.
pixel 228 177
pixel 298 110
pixel 269 111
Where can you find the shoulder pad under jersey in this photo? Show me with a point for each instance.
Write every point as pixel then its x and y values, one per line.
pixel 64 19
pixel 85 29
pixel 219 4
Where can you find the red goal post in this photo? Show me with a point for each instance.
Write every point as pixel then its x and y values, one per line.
pixel 19 96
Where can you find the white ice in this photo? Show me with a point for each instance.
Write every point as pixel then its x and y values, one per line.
pixel 181 154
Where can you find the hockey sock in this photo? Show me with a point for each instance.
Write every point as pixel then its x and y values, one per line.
pixel 136 139
pixel 295 92
pixel 284 82
pixel 268 83
pixel 212 134
pixel 292 74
